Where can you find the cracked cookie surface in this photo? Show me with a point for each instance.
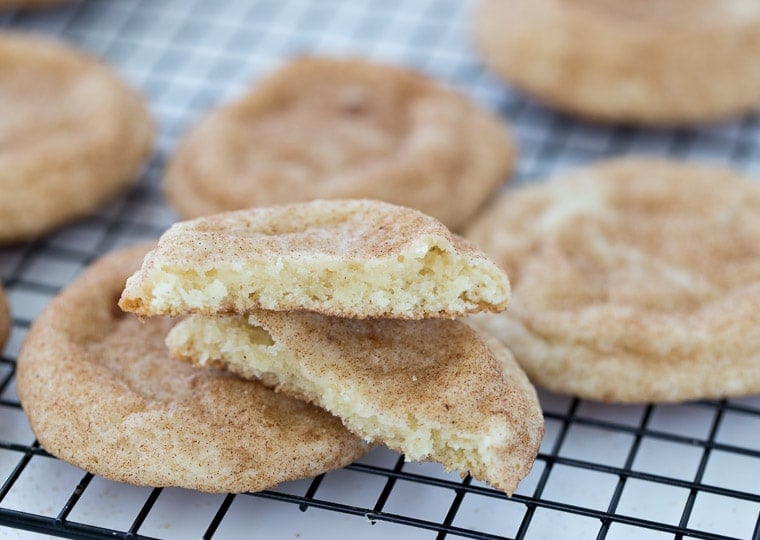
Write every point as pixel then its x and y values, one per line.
pixel 431 389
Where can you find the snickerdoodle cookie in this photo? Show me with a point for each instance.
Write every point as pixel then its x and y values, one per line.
pixel 432 389
pixel 5 318
pixel 327 128
pixel 659 62
pixel 633 280
pixel 347 258
pixel 102 393
pixel 72 135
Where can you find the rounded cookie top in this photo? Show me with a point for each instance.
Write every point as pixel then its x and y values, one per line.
pixel 358 230
pixel 348 258
pixel 633 280
pixel 102 393
pixel 5 319
pixel 330 128
pixel 661 62
pixel 72 135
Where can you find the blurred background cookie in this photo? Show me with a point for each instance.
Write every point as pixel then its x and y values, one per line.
pixel 635 280
pixel 660 62
pixel 72 135
pixel 101 392
pixel 328 128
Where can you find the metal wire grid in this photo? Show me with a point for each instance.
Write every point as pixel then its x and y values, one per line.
pixel 607 472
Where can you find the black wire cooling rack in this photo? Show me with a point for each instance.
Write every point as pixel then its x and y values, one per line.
pixel 690 470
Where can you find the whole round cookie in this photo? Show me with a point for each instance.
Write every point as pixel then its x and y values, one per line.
pixel 72 135
pixel 660 62
pixel 329 128
pixel 633 280
pixel 102 393
pixel 5 318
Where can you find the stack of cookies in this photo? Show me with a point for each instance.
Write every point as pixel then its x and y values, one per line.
pixel 350 305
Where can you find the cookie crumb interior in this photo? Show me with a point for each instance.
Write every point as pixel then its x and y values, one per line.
pixel 428 278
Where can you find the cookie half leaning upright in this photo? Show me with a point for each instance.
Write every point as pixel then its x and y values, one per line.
pixel 72 135
pixel 322 128
pixel 634 280
pixel 102 393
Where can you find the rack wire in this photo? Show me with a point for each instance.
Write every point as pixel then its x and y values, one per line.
pixel 690 470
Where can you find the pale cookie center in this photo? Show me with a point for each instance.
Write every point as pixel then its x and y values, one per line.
pixel 30 110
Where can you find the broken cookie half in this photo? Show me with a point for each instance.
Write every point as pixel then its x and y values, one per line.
pixel 432 389
pixel 345 258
